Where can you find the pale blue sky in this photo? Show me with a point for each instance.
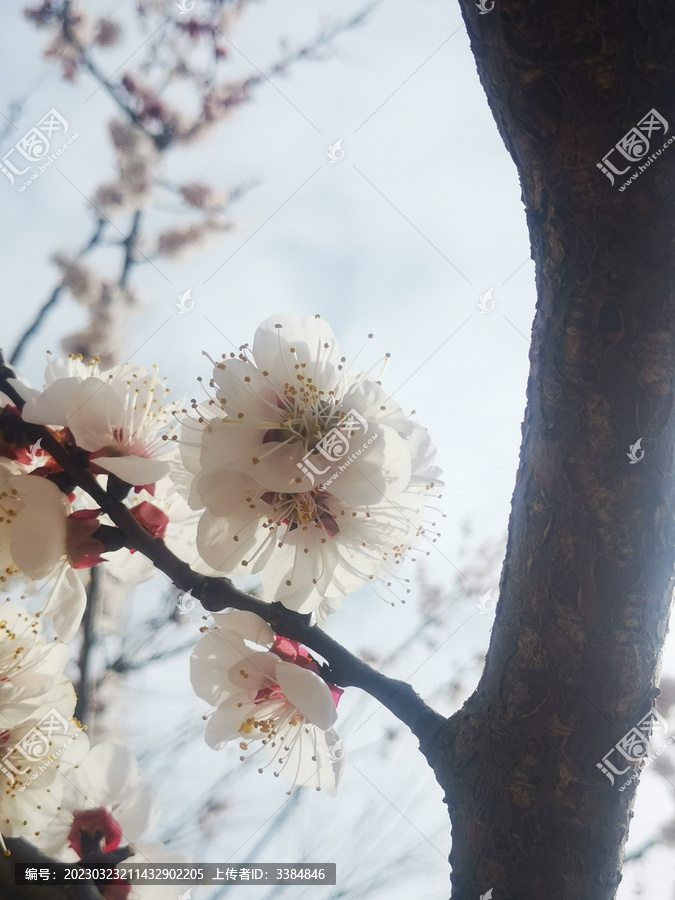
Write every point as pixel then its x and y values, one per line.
pixel 399 238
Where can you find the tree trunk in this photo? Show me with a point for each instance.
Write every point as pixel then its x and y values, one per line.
pixel 587 581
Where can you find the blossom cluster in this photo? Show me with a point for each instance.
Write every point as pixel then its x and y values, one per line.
pixel 294 468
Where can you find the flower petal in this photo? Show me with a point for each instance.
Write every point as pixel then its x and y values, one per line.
pixel 254 671
pixel 66 603
pixel 227 544
pixel 134 469
pixel 245 625
pixel 39 529
pixel 50 407
pixel 377 471
pixel 209 663
pixel 308 693
pixel 225 722
pixel 283 342
pixel 93 412
pixel 300 571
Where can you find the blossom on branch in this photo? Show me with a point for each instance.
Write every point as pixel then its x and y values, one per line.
pixel 106 793
pixel 119 415
pixel 107 804
pixel 44 541
pixel 273 695
pixel 309 474
pixel 39 739
pixel 166 514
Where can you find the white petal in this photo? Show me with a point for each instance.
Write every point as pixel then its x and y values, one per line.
pixel 23 390
pixel 254 671
pixel 225 722
pixel 230 494
pixel 308 337
pixel 134 469
pixel 209 663
pixel 278 469
pixel 129 568
pixel 69 367
pixel 94 411
pixel 51 406
pixel 316 759
pixel 225 544
pixel 300 571
pixel 39 529
pixel 66 603
pixel 243 388
pixel 380 470
pixel 137 812
pixel 308 693
pixel 245 625
pixel 225 444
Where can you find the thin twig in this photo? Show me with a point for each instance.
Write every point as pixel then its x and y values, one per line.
pixel 88 638
pixel 37 322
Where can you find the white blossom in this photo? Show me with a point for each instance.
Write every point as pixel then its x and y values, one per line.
pixel 107 778
pixel 39 739
pixel 107 794
pixel 120 416
pixel 36 543
pixel 310 475
pixel 271 695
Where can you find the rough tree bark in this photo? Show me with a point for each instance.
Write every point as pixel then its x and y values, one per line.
pixel 587 581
